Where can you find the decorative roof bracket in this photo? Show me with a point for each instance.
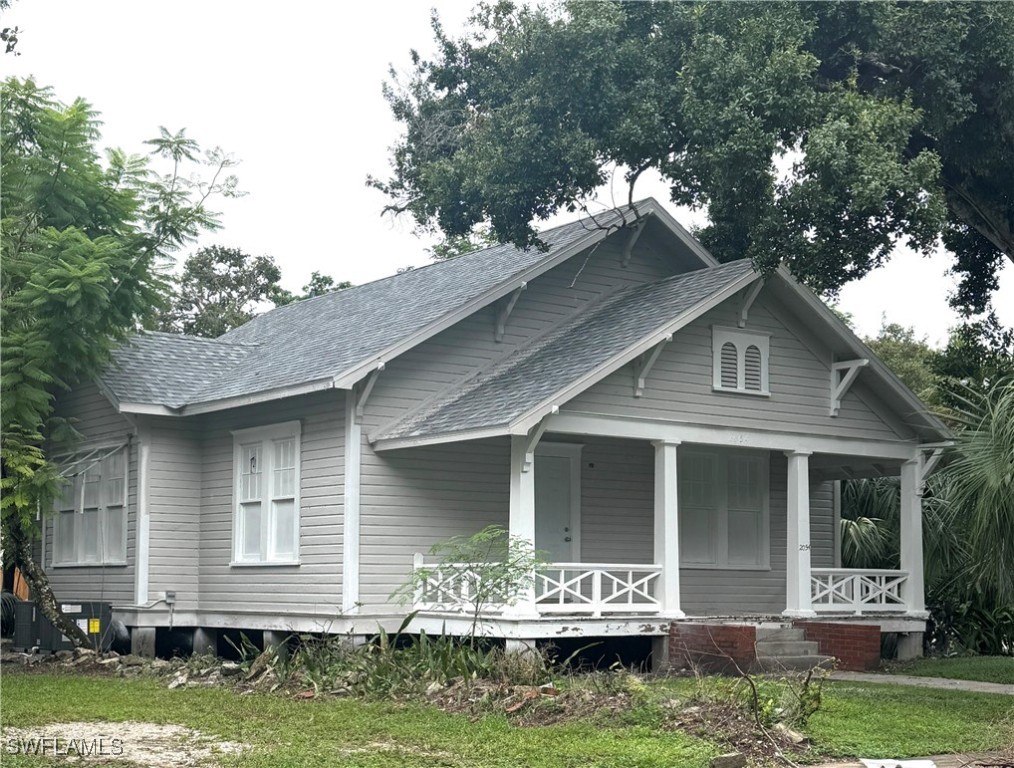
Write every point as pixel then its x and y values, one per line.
pixel 364 395
pixel 842 376
pixel 748 299
pixel 533 439
pixel 628 249
pixel 504 312
pixel 643 365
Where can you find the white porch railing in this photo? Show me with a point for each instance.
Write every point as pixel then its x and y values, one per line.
pixel 856 590
pixel 588 589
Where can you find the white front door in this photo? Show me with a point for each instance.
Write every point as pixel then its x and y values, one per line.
pixel 557 503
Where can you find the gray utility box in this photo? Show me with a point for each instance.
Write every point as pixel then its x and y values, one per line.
pixel 33 629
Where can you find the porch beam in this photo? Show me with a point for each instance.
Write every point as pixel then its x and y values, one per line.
pixel 797 553
pixel 636 428
pixel 521 520
pixel 913 590
pixel 667 539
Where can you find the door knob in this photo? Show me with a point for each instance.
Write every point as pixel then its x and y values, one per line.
pixel 566 538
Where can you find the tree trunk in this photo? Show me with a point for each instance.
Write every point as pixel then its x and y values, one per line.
pixel 42 593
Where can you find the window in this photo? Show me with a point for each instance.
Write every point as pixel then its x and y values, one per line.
pixel 266 522
pixel 740 361
pixel 723 509
pixel 90 527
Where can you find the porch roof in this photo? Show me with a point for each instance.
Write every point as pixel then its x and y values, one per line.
pixel 597 340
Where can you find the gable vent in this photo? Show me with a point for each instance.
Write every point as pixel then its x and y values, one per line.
pixel 752 369
pixel 730 374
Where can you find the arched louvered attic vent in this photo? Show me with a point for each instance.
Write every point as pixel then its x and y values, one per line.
pixel 740 361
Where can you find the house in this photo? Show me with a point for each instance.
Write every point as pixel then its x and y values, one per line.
pixel 667 428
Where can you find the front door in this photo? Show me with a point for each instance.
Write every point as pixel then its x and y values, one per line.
pixel 556 502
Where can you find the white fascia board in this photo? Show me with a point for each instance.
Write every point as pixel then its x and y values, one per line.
pixel 637 428
pixel 862 351
pixel 347 379
pixel 147 409
pixel 526 421
pixel 394 443
pixel 267 395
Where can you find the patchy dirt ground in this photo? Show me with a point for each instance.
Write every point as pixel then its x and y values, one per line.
pixel 127 743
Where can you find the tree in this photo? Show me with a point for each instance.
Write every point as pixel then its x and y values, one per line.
pixel 319 285
pixel 910 358
pixel 820 134
pixel 219 290
pixel 978 354
pixel 85 241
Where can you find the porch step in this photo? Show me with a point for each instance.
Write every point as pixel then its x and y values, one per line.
pixel 777 632
pixel 776 664
pixel 776 648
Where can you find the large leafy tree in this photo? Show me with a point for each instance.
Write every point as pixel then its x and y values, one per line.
pixel 85 239
pixel 821 134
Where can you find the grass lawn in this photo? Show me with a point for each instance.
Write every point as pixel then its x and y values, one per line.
pixel 863 720
pixel 986 669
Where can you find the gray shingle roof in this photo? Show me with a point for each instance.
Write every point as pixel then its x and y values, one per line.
pixel 167 368
pixel 323 337
pixel 533 374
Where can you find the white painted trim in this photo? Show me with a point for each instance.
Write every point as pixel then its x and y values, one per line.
pixel 740 340
pixel 836 516
pixel 666 532
pixel 351 513
pixel 503 313
pixel 266 435
pixel 839 386
pixel 534 415
pixel 521 515
pixel 570 451
pixel 748 300
pixel 914 589
pixel 147 409
pixel 143 524
pixel 643 366
pixel 265 396
pixel 635 428
pixel 396 443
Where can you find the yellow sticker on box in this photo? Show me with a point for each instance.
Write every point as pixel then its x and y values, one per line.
pixel 94 626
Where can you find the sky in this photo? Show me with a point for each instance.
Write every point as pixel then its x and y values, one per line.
pixel 294 92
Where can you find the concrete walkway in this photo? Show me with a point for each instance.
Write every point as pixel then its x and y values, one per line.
pixel 970 760
pixel 925 682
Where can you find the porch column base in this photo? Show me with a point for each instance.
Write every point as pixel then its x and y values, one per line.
pixel 923 615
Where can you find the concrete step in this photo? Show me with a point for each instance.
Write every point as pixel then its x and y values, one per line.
pixel 776 664
pixel 787 648
pixel 765 633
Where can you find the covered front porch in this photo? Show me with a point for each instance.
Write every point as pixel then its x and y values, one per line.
pixel 673 552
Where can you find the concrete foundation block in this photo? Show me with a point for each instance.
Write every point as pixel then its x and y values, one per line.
pixel 142 642
pixel 910 645
pixel 205 641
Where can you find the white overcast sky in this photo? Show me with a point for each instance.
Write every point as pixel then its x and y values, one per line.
pixel 294 91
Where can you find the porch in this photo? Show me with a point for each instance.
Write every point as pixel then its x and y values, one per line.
pixel 672 563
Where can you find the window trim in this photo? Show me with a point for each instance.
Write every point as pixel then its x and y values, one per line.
pixel 721 519
pixel 741 340
pixel 79 509
pixel 265 435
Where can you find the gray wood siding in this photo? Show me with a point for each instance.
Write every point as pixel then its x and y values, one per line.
pixel 314 586
pixel 97 421
pixel 174 509
pixel 415 498
pixel 461 350
pixel 679 387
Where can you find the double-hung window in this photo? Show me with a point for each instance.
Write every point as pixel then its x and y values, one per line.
pixel 266 515
pixel 740 361
pixel 723 509
pixel 90 525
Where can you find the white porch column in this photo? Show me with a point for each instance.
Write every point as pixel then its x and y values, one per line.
pixel 521 525
pixel 667 534
pixel 913 590
pixel 797 553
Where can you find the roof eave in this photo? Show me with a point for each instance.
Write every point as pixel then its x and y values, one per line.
pixel 394 443
pixel 278 393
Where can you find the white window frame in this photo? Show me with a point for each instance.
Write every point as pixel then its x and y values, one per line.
pixel 740 339
pixel 78 543
pixel 720 520
pixel 265 435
